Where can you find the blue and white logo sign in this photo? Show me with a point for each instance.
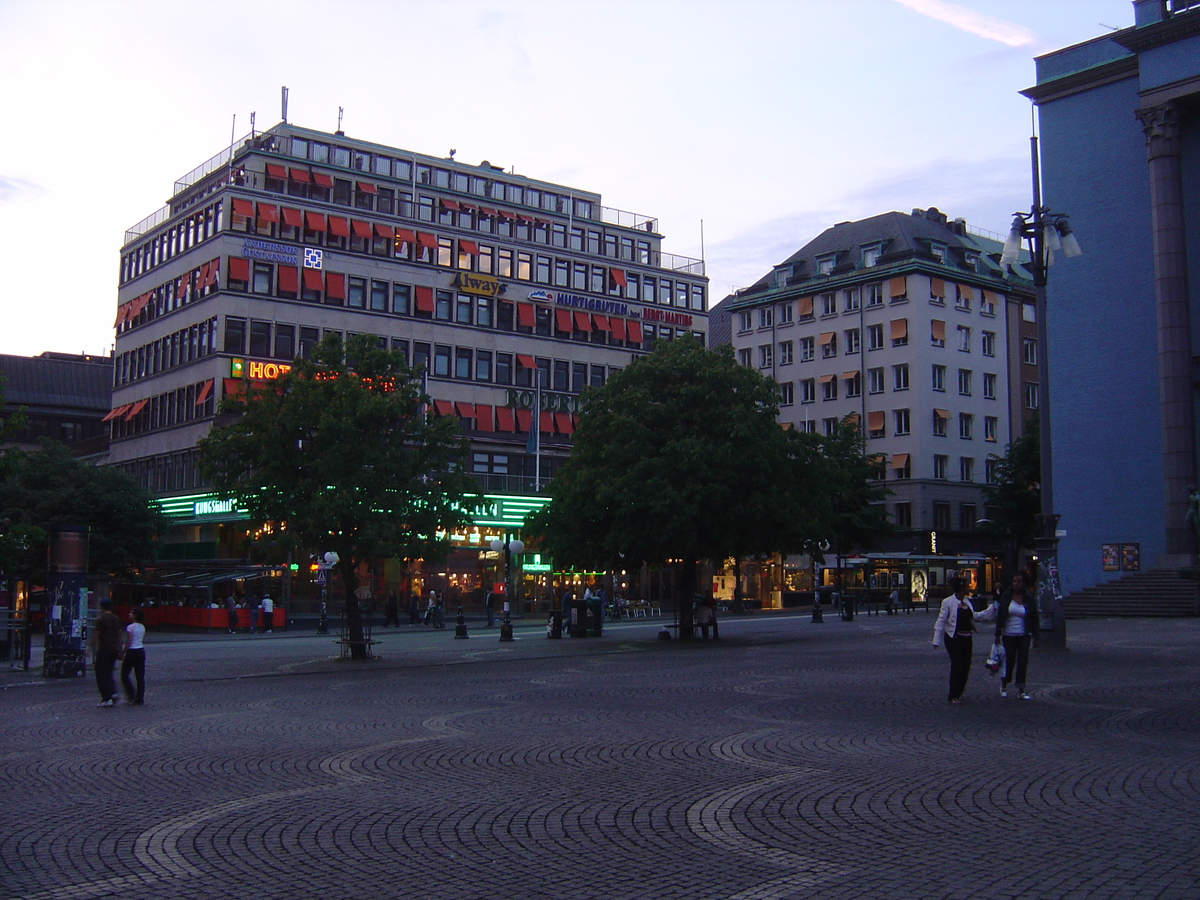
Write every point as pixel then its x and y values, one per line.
pixel 313 257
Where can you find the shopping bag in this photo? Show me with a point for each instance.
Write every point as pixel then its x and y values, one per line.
pixel 995 659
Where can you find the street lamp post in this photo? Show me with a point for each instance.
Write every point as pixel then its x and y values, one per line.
pixel 1046 232
pixel 509 547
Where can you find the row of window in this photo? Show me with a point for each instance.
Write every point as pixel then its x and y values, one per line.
pixel 176 349
pixel 261 339
pixel 876 383
pixel 185 404
pixel 896 336
pixel 169 296
pixel 968 517
pixel 185 234
pixel 315 229
pixel 166 473
pixel 486 186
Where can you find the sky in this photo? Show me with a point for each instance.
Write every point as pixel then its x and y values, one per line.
pixel 746 127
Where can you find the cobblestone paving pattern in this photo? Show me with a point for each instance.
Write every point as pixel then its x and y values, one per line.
pixel 788 760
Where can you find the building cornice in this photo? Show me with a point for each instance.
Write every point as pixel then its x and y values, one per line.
pixel 1088 79
pixel 1175 28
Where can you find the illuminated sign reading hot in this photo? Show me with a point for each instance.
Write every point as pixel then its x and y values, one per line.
pixel 258 369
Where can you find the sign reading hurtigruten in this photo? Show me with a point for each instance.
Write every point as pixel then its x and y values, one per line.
pixel 613 308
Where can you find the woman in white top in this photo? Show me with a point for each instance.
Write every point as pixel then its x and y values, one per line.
pixel 133 657
pixel 954 626
pixel 1016 616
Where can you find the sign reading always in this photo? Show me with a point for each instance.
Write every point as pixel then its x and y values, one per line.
pixel 482 285
pixel 253 248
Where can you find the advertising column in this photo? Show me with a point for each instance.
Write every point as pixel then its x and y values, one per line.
pixel 66 598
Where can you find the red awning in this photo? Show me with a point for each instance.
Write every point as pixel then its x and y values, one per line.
pixel 505 420
pixel 335 285
pixel 526 362
pixel 366 187
pixel 385 231
pixel 617 276
pixel 562 319
pixel 525 315
pixel 293 217
pixel 202 278
pixel 115 413
pixel 426 240
pixel 135 408
pixel 268 212
pixel 483 417
pixel 239 268
pixel 181 290
pixel 633 331
pixel 276 171
pixel 599 322
pixel 361 229
pixel 320 178
pixel 339 225
pixel 312 280
pixel 524 419
pixel 583 322
pixel 449 204
pixel 563 424
pixel 233 388
pixel 243 207
pixel 289 278
pixel 316 220
pixel 468 247
pixel 487 211
pixel 205 390
pixel 299 175
pixel 546 422
pixel 618 328
pixel 214 268
pixel 122 314
pixel 443 407
pixel 506 214
pixel 424 299
pixel 405 236
pixel 466 410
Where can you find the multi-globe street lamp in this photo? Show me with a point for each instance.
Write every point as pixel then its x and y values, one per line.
pixel 509 546
pixel 1047 232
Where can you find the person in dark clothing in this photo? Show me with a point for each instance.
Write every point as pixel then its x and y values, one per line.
pixel 391 614
pixel 231 611
pixel 414 609
pixel 489 608
pixel 106 647
pixel 954 626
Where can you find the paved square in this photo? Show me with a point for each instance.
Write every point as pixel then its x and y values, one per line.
pixel 788 760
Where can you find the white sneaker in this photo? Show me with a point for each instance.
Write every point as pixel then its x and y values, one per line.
pixel 1003 692
pixel 105 703
pixel 1025 696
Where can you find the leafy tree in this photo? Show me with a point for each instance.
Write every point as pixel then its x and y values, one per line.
pixel 677 456
pixel 342 455
pixel 1014 499
pixel 49 487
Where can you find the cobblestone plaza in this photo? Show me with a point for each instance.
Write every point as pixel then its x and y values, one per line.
pixel 788 760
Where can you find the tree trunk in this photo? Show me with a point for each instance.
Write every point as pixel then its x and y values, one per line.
pixel 355 638
pixel 685 597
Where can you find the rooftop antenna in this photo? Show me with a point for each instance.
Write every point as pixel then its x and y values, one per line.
pixel 232 138
pixel 283 104
pixel 252 126
pixel 339 128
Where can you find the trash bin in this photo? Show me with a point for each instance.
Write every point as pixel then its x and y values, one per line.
pixel 579 615
pixel 554 624
pixel 596 611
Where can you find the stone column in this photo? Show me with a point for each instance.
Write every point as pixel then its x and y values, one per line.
pixel 1176 394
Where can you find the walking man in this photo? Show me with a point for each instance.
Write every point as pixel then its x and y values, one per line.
pixel 105 645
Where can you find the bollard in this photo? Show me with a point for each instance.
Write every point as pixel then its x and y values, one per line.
pixel 460 626
pixel 323 622
pixel 506 633
pixel 818 615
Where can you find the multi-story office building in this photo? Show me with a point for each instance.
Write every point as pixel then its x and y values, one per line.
pixel 1120 152
pixel 907 324
pixel 487 279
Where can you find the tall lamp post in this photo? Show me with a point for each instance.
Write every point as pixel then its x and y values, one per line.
pixel 1047 232
pixel 509 547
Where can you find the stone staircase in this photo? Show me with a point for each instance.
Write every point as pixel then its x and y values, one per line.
pixel 1159 592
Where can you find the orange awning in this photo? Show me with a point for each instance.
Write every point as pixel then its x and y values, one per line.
pixel 966 292
pixel 825 338
pixel 443 407
pixel 806 306
pixel 562 320
pixel 937 287
pixel 899 460
pixel 875 420
pixel 618 328
pixel 825 379
pixel 633 331
pixel 937 330
pixel 899 329
pixel 205 390
pixel 942 413
pixel 898 286
pixel 466 410
pixel 135 408
pixel 582 321
pixel 526 362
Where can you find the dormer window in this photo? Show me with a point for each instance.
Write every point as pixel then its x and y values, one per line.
pixel 825 264
pixel 938 250
pixel 971 261
pixel 870 256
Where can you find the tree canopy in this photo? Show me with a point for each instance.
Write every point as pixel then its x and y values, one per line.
pixel 1014 498
pixel 49 487
pixel 342 453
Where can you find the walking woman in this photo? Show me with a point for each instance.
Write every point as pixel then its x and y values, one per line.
pixel 1016 618
pixel 133 658
pixel 954 626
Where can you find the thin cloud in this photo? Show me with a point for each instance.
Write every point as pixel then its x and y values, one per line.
pixel 971 22
pixel 14 189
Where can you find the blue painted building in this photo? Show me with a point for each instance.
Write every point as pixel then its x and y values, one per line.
pixel 1120 147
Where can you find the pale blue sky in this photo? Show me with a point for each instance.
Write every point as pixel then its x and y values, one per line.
pixel 768 120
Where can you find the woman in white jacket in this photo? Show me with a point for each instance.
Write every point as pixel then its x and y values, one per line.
pixel 953 629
